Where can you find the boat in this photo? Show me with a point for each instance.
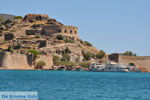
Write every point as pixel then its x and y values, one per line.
pixel 112 68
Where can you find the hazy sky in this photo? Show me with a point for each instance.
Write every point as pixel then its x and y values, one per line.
pixel 111 25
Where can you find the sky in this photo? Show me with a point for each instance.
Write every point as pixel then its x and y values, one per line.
pixel 114 26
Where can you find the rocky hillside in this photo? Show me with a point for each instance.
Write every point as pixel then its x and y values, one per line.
pixel 37 41
pixel 42 42
pixel 6 16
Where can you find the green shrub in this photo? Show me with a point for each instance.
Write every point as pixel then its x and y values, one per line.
pixel 59 37
pixel 17 46
pixel 1 19
pixel 35 53
pixel 40 64
pixel 69 41
pixel 100 54
pixel 18 17
pixel 129 53
pixel 87 43
pixel 131 64
pixel 67 51
pixel 84 64
pixel 87 56
pixel 36 25
pixel 56 59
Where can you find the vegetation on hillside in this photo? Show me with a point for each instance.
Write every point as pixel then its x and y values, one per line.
pixel 59 37
pixel 18 17
pixel 100 54
pixel 1 19
pixel 34 52
pixel 62 61
pixel 67 51
pixel 84 64
pixel 87 56
pixel 40 64
pixel 131 64
pixel 86 43
pixel 66 39
pixel 129 53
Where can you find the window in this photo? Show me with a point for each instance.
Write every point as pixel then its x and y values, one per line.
pixel 70 31
pixel 59 31
pixel 65 31
pixel 75 32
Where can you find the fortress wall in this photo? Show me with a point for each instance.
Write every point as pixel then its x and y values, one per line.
pixel 10 60
pixel 14 61
pixel 2 55
pixel 140 62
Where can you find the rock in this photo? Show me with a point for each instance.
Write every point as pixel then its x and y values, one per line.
pixel 54 22
pixel 7 16
pixel 35 17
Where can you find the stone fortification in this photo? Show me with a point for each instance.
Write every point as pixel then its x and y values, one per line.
pixel 142 62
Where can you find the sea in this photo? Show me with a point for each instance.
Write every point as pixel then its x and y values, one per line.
pixel 77 85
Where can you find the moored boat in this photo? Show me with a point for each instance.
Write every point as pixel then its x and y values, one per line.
pixel 112 68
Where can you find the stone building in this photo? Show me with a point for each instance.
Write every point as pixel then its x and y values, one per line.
pixel 48 26
pixel 72 30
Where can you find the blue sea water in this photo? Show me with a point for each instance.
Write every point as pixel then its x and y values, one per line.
pixel 73 85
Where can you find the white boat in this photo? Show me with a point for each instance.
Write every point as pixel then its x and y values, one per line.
pixel 111 68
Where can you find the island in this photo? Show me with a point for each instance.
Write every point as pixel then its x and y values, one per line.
pixel 37 41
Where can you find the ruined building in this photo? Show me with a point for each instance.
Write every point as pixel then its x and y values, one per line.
pixel 50 27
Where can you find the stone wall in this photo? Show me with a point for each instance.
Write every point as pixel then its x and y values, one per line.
pixel 13 61
pixel 142 62
pixel 33 32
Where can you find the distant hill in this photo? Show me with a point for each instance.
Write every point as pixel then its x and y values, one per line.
pixel 7 16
